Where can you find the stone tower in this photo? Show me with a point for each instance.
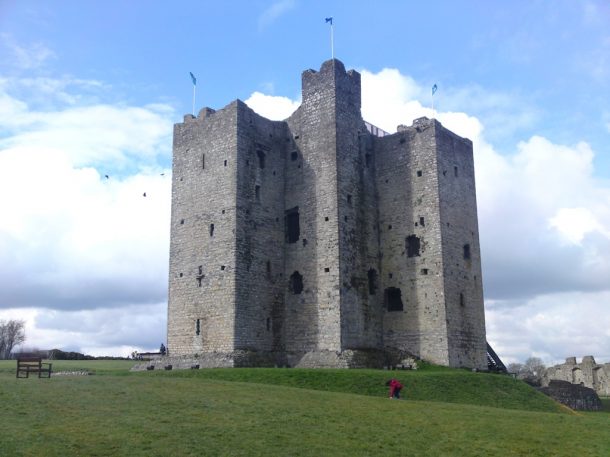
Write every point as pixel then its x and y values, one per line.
pixel 321 241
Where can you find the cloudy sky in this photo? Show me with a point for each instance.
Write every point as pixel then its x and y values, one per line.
pixel 92 89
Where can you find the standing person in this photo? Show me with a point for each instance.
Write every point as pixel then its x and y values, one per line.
pixel 395 387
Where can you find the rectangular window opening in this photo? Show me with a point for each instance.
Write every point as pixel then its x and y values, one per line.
pixel 393 299
pixel 261 159
pixel 203 161
pixel 419 172
pixel 424 271
pixel 211 229
pixel 257 193
pixel 372 275
pixel 292 227
pixel 422 222
pixel 455 171
pixel 198 327
pixel 413 246
pixel 467 251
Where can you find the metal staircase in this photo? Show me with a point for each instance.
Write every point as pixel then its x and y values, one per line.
pixel 493 361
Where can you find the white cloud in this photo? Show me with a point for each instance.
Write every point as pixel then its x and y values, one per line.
pixel 27 57
pixel 272 107
pixel 575 223
pixel 552 327
pixel 83 258
pixel 272 13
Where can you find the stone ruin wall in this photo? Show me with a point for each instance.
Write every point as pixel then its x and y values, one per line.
pixel 588 373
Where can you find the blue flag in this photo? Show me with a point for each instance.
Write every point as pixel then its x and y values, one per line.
pixel 193 78
pixel 434 89
pixel 329 19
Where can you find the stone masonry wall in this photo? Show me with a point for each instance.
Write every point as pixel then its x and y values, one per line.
pixel 202 246
pixel 461 251
pixel 588 373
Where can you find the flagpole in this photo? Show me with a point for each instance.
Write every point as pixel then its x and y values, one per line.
pixel 194 88
pixel 332 44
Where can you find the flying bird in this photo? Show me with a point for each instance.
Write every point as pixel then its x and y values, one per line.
pixel 144 194
pixel 106 176
pixel 162 174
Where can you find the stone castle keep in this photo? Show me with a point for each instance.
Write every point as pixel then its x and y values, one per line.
pixel 321 241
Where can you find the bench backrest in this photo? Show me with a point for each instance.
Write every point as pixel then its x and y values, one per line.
pixel 29 360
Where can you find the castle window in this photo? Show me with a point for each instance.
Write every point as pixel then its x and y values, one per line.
pixel 268 324
pixel 181 221
pixel 462 300
pixel 202 161
pixel 261 159
pixel 198 327
pixel 292 227
pixel 268 268
pixel 392 299
pixel 390 227
pixel 294 155
pixel 372 274
pixel 326 270
pixel 304 241
pixel 225 163
pixel 296 283
pixel 257 193
pixel 326 218
pixel 424 271
pixel 455 171
pixel 367 159
pixel 422 222
pixel 413 246
pixel 390 275
pixel 200 268
pixel 349 199
pixel 419 172
pixel 211 229
pixel 222 267
pixel 467 252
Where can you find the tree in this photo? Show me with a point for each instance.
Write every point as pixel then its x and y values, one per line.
pixel 531 371
pixel 12 333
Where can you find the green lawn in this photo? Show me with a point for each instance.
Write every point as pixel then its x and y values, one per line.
pixel 282 412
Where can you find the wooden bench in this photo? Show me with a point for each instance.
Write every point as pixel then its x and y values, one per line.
pixel 27 365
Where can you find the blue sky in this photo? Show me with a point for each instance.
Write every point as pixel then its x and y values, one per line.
pixel 93 88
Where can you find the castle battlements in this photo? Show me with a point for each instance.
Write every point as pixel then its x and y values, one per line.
pixel 323 241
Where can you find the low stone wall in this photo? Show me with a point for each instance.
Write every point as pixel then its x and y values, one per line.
pixel 575 396
pixel 357 358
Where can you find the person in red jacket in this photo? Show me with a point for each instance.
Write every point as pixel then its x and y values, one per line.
pixel 395 387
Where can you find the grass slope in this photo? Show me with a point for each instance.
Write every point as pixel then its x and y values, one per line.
pixel 432 384
pixel 185 413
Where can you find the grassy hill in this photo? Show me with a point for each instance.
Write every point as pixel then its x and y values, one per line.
pixel 250 412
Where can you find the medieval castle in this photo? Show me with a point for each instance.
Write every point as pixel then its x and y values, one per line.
pixel 322 241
